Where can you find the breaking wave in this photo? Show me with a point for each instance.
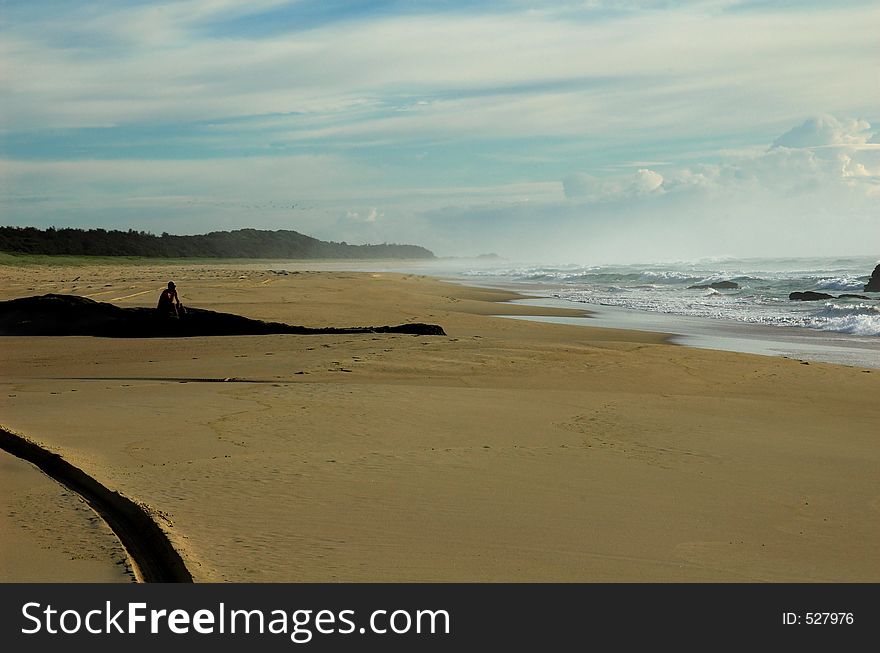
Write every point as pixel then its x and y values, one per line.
pixel 761 296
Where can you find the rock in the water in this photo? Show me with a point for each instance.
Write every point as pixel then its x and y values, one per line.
pixel 849 296
pixel 70 315
pixel 873 284
pixel 717 285
pixel 810 296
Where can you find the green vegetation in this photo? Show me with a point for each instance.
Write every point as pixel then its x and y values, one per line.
pixel 61 260
pixel 242 243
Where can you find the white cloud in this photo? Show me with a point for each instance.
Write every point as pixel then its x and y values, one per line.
pixel 819 198
pixel 647 181
pixel 585 187
pixel 369 216
pixel 191 196
pixel 821 154
pixel 633 86
pixel 824 131
pixel 687 65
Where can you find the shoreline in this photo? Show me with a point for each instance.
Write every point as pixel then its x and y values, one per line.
pixel 509 450
pixel 799 343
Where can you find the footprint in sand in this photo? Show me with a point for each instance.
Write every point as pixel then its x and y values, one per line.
pixel 608 428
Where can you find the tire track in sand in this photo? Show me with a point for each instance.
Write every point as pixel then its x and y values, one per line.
pixel 153 557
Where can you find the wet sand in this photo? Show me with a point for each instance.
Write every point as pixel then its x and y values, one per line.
pixel 507 451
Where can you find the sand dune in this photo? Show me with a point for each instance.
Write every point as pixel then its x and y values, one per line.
pixel 504 451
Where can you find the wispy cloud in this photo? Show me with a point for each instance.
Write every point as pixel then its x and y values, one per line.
pixel 220 110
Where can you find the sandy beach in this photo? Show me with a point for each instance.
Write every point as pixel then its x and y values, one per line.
pixel 507 450
pixel 49 534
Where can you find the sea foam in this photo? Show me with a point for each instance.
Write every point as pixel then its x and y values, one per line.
pixel 762 296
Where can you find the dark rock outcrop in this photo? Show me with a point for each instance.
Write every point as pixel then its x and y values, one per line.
pixel 873 284
pixel 717 285
pixel 71 315
pixel 810 296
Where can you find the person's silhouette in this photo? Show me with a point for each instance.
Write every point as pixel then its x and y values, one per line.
pixel 169 303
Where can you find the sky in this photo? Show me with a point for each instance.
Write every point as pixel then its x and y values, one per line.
pixel 588 131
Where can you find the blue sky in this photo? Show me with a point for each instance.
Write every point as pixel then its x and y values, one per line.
pixel 568 131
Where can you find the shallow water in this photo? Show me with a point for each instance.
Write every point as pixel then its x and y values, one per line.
pixel 799 343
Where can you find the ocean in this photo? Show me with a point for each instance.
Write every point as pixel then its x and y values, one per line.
pixel 761 297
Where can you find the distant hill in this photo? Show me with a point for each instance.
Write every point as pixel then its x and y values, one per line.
pixel 241 243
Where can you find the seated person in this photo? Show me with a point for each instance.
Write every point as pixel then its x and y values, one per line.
pixel 169 303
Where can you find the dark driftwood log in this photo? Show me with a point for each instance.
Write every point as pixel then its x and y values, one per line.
pixel 71 315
